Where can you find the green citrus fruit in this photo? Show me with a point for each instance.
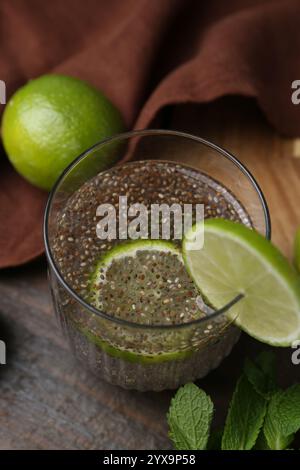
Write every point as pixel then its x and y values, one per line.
pixel 51 120
pixel 237 260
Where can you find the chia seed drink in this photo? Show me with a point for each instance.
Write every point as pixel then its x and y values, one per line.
pixel 129 309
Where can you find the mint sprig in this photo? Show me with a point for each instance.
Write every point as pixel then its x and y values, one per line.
pixel 260 415
pixel 189 418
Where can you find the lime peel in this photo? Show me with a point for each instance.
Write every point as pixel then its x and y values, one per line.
pixel 51 120
pixel 236 259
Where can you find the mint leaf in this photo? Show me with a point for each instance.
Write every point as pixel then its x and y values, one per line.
pixel 261 373
pixel 283 418
pixel 189 418
pixel 245 417
pixel 274 437
pixel 288 408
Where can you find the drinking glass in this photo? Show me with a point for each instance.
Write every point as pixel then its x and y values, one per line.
pixel 172 354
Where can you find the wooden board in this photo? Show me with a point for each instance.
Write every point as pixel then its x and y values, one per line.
pixel 47 401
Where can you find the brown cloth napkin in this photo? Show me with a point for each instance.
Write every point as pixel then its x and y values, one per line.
pixel 144 55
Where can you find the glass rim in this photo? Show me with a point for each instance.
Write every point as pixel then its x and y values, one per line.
pixel 127 136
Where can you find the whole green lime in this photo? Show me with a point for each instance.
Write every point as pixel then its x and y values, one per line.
pixel 51 120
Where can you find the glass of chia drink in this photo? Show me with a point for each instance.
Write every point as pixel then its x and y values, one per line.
pixel 128 308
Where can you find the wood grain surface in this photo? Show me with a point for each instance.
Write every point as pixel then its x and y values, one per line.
pixel 47 400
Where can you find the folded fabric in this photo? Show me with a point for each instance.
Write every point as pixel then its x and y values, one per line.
pixel 144 55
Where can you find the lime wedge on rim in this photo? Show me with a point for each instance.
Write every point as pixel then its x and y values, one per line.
pixel 237 260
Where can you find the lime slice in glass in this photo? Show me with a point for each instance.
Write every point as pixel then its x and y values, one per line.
pixel 136 266
pixel 145 282
pixel 237 260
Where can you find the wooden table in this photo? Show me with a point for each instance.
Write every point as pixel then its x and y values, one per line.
pixel 48 401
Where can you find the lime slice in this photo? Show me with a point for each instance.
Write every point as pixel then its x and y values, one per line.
pixel 124 264
pixel 146 282
pixel 237 260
